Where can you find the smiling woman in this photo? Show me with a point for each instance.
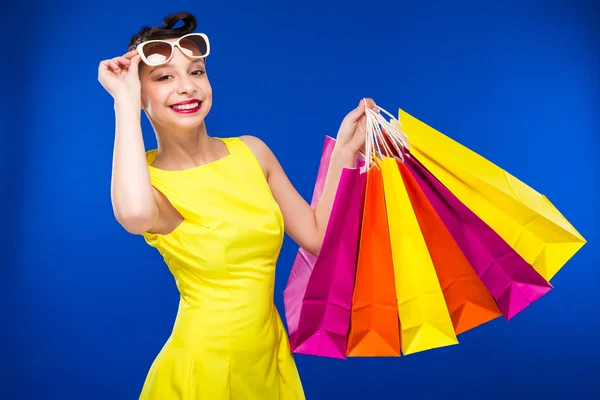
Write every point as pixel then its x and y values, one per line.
pixel 216 209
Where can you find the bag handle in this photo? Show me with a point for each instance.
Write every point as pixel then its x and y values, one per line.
pixel 393 128
pixel 377 130
pixel 370 139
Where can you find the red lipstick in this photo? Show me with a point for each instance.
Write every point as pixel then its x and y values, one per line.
pixel 186 107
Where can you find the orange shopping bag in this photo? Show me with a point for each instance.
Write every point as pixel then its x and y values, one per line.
pixel 374 326
pixel 425 321
pixel 469 302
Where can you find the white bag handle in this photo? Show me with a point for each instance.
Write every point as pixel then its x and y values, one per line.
pixel 371 139
pixel 375 136
pixel 392 127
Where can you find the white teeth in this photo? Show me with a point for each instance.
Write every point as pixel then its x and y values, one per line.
pixel 185 106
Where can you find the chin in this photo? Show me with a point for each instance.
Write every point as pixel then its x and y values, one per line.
pixel 186 119
pixel 190 123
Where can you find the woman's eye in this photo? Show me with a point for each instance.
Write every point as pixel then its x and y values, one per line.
pixel 199 72
pixel 163 78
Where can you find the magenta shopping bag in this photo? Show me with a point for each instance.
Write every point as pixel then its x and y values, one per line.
pixel 511 281
pixel 304 262
pixel 318 296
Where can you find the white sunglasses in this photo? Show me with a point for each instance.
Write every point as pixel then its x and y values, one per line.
pixel 156 52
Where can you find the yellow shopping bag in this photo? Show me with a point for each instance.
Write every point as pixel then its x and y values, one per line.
pixel 524 218
pixel 425 321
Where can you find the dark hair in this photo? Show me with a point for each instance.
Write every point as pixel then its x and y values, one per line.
pixel 166 31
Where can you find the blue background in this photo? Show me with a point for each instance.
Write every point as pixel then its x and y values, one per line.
pixel 86 306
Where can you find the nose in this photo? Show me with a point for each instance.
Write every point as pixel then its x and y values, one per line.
pixel 186 86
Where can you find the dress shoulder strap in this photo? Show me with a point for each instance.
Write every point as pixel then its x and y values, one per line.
pixel 246 159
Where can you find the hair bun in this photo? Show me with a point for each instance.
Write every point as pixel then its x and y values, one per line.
pixel 189 22
pixel 165 31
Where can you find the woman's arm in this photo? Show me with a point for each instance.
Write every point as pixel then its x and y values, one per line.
pixel 132 194
pixel 305 225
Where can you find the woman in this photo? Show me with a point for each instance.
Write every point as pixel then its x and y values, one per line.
pixel 215 208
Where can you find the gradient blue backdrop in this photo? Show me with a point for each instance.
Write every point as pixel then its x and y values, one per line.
pixel 86 306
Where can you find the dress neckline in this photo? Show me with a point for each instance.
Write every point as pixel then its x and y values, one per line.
pixel 151 155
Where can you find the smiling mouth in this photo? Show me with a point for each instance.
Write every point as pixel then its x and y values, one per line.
pixel 186 108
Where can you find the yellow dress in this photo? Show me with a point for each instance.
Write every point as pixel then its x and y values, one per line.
pixel 228 340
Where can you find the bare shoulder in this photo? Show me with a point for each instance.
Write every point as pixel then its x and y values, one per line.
pixel 261 151
pixel 255 144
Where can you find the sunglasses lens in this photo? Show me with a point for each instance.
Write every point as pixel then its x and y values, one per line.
pixel 157 53
pixel 194 46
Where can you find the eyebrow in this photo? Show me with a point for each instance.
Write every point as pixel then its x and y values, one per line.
pixel 160 67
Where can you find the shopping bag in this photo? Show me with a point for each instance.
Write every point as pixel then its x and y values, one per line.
pixel 468 301
pixel 304 261
pixel 325 314
pixel 512 282
pixel 425 321
pixel 524 218
pixel 374 326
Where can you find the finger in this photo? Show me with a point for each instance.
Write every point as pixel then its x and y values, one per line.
pixel 124 65
pixel 117 60
pixel 104 70
pixel 359 137
pixel 371 104
pixel 124 61
pixel 130 54
pixel 114 66
pixel 103 65
pixel 355 114
pixel 134 66
pixel 362 125
pixel 130 60
pixel 135 61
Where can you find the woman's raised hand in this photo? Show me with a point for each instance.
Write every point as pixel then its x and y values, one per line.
pixel 119 76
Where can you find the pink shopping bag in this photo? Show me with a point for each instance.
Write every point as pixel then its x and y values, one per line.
pixel 511 281
pixel 318 295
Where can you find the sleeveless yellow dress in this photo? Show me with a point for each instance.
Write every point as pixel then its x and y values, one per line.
pixel 228 340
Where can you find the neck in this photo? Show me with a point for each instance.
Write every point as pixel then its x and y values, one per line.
pixel 185 148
